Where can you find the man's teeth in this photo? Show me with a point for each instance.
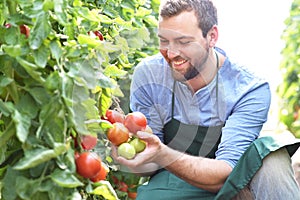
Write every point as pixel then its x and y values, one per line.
pixel 179 62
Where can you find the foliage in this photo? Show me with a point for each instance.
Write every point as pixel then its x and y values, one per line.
pixel 56 84
pixel 288 90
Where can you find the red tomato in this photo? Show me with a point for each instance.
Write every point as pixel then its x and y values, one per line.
pixel 24 29
pixel 118 134
pixel 99 35
pixel 114 116
pixel 101 175
pixel 88 164
pixel 135 121
pixel 132 195
pixel 88 142
pixel 122 186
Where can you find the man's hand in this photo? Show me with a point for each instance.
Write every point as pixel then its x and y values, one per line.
pixel 145 162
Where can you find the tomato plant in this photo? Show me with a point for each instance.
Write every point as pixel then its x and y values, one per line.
pixel 135 121
pixel 288 89
pixel 118 134
pixel 56 80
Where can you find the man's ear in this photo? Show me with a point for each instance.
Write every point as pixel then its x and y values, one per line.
pixel 213 35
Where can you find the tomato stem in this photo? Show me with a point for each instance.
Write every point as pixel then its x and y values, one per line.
pixel 12 6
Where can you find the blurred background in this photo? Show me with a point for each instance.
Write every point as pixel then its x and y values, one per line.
pixel 250 32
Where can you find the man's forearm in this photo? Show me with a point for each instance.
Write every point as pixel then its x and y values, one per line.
pixel 205 173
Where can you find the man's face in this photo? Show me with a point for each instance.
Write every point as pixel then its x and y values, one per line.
pixel 182 45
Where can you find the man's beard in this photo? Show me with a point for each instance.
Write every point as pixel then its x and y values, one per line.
pixel 191 72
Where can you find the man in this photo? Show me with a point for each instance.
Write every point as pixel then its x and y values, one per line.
pixel 204 109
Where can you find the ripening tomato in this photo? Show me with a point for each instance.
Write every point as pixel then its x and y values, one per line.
pixel 101 175
pixel 88 142
pixel 118 134
pixel 88 164
pixel 135 121
pixel 114 116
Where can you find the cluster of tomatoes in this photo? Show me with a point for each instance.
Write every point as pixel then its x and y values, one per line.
pixel 89 164
pixel 123 134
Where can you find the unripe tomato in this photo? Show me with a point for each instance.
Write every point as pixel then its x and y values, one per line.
pixel 118 134
pixel 138 144
pixel 88 164
pixel 114 116
pixel 88 142
pixel 101 175
pixel 126 150
pixel 135 121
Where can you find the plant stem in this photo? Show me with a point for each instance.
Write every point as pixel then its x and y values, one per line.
pixel 12 6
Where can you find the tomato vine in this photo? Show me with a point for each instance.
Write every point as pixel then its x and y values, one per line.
pixel 56 82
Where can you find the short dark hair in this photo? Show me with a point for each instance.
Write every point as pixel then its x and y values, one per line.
pixel 205 11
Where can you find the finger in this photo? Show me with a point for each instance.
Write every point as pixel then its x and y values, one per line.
pixel 114 152
pixel 146 136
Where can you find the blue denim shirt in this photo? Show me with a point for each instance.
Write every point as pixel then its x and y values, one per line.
pixel 242 103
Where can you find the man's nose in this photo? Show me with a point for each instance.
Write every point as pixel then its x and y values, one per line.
pixel 172 52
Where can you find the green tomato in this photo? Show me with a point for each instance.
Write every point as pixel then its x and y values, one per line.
pixel 126 150
pixel 138 144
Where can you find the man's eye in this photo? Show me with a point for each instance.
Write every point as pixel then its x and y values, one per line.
pixel 163 41
pixel 184 42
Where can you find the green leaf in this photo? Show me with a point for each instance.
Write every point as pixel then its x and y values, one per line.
pixel 56 50
pixel 60 9
pixel 40 31
pixel 41 56
pixel 37 156
pixel 8 192
pixel 13 51
pixel 53 81
pixel 40 95
pixel 65 178
pixel 85 71
pixel 89 41
pixel 26 188
pixel 114 71
pixel 31 69
pixel 105 19
pixel 6 107
pixel 5 81
pixel 28 106
pixel 23 123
